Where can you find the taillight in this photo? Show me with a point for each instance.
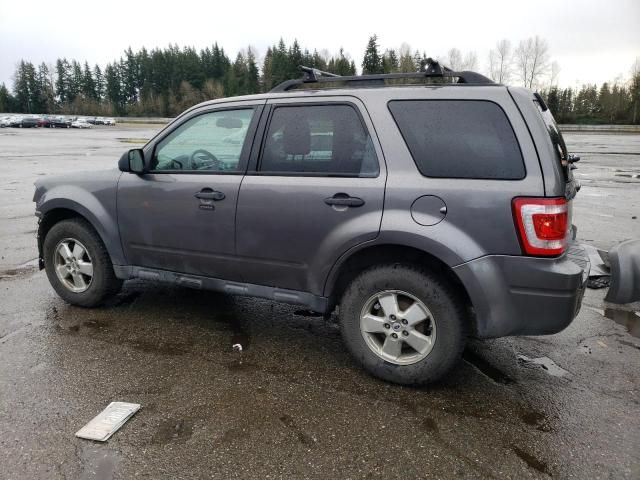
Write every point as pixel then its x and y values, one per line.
pixel 543 225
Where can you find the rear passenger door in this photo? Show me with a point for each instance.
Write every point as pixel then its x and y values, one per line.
pixel 315 188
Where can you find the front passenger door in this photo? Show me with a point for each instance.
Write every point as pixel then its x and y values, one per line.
pixel 180 216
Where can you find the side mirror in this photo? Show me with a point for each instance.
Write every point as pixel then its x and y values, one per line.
pixel 132 161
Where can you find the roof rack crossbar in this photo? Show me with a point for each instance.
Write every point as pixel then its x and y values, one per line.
pixel 433 69
pixel 313 74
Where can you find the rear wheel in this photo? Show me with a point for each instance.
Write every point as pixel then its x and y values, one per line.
pixel 403 324
pixel 78 265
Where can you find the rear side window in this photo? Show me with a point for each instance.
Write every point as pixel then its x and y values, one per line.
pixel 459 138
pixel 326 140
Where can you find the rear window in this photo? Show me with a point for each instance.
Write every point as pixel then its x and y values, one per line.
pixel 459 138
pixel 557 140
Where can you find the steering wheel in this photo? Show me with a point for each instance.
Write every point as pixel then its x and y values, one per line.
pixel 205 153
pixel 175 164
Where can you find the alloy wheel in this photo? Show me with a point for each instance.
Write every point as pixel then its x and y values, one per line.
pixel 398 327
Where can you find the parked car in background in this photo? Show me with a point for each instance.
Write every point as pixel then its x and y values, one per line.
pixel 110 121
pixel 44 122
pixel 91 120
pixel 80 123
pixel 5 122
pixel 28 122
pixel 15 121
pixel 60 122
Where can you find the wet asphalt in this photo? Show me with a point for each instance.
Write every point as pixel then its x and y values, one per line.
pixel 292 404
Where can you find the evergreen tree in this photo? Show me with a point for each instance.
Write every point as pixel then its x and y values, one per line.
pixel 25 87
pixel 267 71
pixel 62 80
pixel 88 83
pixel 253 85
pixel 372 62
pixel 407 63
pixel 553 101
pixel 6 100
pixel 45 92
pixel 390 62
pixel 113 88
pixel 99 82
pixel 129 76
pixel 294 61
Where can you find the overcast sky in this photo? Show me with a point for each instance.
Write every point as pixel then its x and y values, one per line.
pixel 593 41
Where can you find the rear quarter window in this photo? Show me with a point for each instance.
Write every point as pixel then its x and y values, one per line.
pixel 459 138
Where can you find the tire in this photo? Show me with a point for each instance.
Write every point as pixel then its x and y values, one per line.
pixel 101 284
pixel 445 323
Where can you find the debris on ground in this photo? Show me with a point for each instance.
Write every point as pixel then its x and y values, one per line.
pixel 108 422
pixel 600 273
pixel 545 363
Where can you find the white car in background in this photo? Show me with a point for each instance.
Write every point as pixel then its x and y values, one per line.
pixel 5 122
pixel 109 121
pixel 80 123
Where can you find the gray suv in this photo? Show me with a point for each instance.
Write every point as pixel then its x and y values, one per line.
pixel 425 207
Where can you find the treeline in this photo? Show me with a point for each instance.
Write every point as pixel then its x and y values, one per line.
pixel 164 82
pixel 615 103
pixel 159 82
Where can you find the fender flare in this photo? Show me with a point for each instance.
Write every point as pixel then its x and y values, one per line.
pixel 91 209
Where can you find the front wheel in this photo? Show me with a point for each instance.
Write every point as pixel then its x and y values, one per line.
pixel 403 324
pixel 78 265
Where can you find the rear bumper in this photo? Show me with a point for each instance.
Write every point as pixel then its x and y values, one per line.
pixel 625 272
pixel 518 295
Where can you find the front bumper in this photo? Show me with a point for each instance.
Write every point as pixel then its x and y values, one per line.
pixel 518 295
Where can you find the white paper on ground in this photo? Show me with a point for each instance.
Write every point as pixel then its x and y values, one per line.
pixel 107 422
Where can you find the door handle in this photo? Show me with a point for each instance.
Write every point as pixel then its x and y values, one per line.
pixel 344 200
pixel 209 194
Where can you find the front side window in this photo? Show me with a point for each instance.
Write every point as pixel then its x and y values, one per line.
pixel 211 142
pixel 318 140
pixel 459 138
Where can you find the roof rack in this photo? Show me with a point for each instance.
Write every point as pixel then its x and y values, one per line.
pixel 433 69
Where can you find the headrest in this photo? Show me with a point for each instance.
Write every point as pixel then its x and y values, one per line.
pixel 296 138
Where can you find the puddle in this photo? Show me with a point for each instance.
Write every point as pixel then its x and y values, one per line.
pixel 486 368
pixel 628 319
pixel 173 431
pixel 545 363
pixel 531 460
pixel 99 463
